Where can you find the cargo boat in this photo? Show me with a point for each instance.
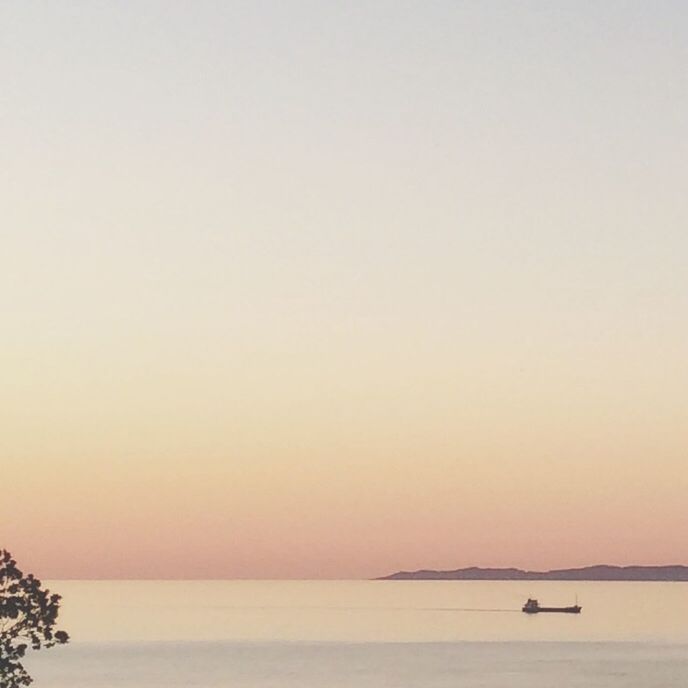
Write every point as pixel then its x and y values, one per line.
pixel 533 607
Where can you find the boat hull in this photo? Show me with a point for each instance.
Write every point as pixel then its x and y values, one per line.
pixel 554 610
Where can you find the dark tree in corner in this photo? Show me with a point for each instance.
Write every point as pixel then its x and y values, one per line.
pixel 28 614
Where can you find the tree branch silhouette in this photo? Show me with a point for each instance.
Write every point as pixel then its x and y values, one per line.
pixel 28 615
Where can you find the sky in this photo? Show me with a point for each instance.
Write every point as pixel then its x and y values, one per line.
pixel 332 289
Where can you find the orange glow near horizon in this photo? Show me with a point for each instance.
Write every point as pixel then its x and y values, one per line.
pixel 348 500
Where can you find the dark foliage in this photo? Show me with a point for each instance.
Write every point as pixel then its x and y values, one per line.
pixel 28 614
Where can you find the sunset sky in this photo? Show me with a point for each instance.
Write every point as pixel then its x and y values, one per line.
pixel 331 289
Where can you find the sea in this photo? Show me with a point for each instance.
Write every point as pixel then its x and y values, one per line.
pixel 366 634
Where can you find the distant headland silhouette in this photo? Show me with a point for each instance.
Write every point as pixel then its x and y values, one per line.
pixel 602 572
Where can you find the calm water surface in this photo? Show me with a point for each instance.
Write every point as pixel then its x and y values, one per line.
pixel 332 634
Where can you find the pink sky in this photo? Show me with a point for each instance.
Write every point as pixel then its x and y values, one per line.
pixel 331 291
pixel 317 514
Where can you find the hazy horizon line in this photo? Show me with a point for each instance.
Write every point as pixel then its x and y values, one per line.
pixel 377 578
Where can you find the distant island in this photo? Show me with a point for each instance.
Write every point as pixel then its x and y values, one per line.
pixel 675 573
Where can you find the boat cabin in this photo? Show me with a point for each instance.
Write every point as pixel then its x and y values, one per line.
pixel 531 606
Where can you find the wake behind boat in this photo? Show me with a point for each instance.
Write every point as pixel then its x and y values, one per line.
pixel 533 607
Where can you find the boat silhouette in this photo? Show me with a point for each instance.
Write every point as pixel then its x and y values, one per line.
pixel 533 607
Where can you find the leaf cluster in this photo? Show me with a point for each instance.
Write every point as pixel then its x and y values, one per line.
pixel 28 615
